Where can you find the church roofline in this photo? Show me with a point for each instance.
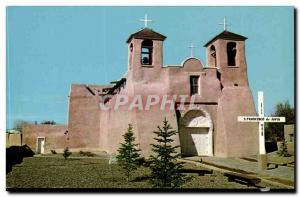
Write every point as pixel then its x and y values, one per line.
pixel 147 33
pixel 92 85
pixel 117 85
pixel 226 35
pixel 188 58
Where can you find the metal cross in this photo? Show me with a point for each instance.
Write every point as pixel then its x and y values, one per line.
pixel 146 20
pixel 192 49
pixel 261 119
pixel 225 24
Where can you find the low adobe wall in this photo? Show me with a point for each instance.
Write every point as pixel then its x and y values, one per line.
pixel 13 139
pixel 55 139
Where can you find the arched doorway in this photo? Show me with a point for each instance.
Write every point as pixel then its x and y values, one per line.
pixel 195 132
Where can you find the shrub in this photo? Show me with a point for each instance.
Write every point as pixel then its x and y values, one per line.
pixel 88 154
pixel 51 122
pixel 66 153
pixel 53 152
pixel 141 161
pixel 147 163
pixel 283 152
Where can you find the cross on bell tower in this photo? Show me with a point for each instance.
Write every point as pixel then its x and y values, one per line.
pixel 146 20
pixel 225 24
pixel 145 52
pixel 191 47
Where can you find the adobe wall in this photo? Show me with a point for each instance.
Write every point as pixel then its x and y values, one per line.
pixel 233 138
pixel 55 138
pixel 289 131
pixel 84 116
pixel 115 123
pixel 179 81
pixel 175 80
pixel 13 139
pixel 147 122
pixel 7 140
pixel 168 81
pixel 289 136
pixel 291 148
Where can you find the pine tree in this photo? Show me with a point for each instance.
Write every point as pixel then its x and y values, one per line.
pixel 128 157
pixel 165 170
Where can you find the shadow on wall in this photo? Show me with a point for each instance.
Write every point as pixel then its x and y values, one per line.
pixel 15 155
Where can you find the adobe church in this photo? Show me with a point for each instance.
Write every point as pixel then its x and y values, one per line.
pixel 209 128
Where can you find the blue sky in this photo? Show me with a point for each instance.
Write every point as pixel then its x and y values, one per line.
pixel 49 48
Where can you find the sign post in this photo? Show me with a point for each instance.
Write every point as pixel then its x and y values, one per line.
pixel 261 119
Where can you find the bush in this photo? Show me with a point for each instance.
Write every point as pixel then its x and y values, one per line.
pixel 51 122
pixel 66 153
pixel 147 163
pixel 53 152
pixel 88 154
pixel 283 152
pixel 141 161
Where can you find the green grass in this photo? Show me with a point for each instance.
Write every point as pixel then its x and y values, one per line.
pixel 56 172
pixel 43 172
pixel 280 160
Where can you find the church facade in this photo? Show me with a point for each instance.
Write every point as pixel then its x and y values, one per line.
pixel 201 102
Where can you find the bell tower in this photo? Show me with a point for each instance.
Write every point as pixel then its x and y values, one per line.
pixel 226 53
pixel 145 48
pixel 145 53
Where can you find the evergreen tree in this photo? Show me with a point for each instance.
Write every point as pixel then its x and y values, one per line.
pixel 128 157
pixel 164 166
pixel 276 130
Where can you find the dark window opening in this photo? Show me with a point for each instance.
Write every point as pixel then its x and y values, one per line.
pixel 194 84
pixel 218 75
pixel 130 55
pixel 131 47
pixel 146 54
pixel 213 56
pixel 222 86
pixel 231 53
pixel 236 84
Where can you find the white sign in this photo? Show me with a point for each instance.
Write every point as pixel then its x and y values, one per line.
pixel 261 119
pixel 257 119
